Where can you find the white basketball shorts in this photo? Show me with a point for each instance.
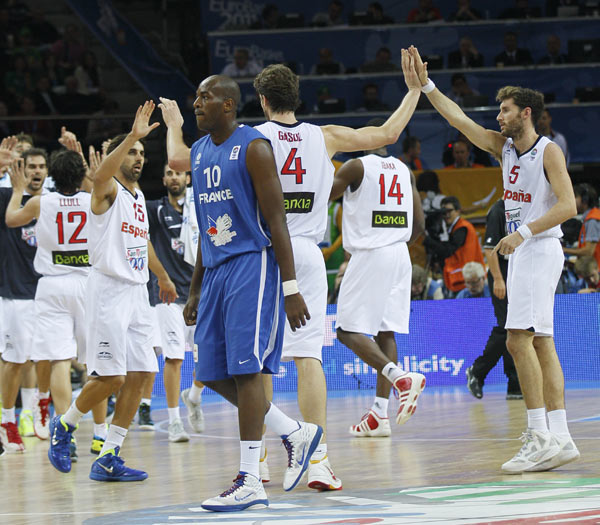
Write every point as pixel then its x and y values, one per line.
pixel 172 336
pixel 533 273
pixel 375 291
pixel 120 328
pixel 20 324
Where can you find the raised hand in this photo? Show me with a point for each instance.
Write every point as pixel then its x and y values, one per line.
pixel 18 179
pixel 7 150
pixel 420 67
pixel 95 158
pixel 170 113
pixel 141 126
pixel 408 69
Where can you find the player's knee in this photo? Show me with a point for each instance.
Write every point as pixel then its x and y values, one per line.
pixel 116 382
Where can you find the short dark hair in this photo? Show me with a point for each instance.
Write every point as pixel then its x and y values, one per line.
pixel 409 142
pixel 524 98
pixel 587 193
pixel 280 86
pixel 116 141
pixel 24 137
pixel 428 181
pixel 67 170
pixel 451 199
pixel 35 152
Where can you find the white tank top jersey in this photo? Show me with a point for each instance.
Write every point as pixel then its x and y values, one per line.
pixel 527 193
pixel 62 234
pixel 119 238
pixel 380 211
pixel 306 174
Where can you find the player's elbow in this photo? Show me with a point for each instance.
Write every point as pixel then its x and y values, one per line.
pixel 179 164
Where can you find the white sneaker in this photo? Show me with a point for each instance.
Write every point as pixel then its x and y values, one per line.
pixel 407 389
pixel 247 491
pixel 537 448
pixel 41 418
pixel 176 432
pixel 568 452
pixel 263 468
pixel 321 477
pixel 195 414
pixel 371 425
pixel 300 446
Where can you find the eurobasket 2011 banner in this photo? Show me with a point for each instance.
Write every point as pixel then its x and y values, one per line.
pixel 445 338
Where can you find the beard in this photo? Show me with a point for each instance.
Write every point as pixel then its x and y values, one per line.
pixel 513 131
pixel 176 191
pixel 130 174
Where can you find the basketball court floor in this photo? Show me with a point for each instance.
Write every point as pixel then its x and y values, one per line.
pixel 443 466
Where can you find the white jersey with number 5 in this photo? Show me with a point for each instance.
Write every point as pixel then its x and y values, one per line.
pixel 62 234
pixel 119 238
pixel 527 193
pixel 306 174
pixel 380 211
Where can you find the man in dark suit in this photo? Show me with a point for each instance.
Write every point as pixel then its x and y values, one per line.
pixel 465 56
pixel 554 55
pixel 513 55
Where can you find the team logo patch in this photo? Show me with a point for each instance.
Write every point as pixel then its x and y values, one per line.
pixel 198 157
pixel 513 220
pixel 235 152
pixel 177 245
pixel 104 356
pixel 389 219
pixel 298 201
pixel 28 235
pixel 219 230
pixel 71 258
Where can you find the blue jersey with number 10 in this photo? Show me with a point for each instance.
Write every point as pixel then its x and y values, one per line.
pixel 229 219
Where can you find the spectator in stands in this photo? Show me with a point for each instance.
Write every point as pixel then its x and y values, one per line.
pixel 465 56
pixel 586 199
pixel 587 268
pixel 371 101
pixel 478 156
pixel 461 247
pixel 521 9
pixel 426 12
pixel 242 65
pixel 554 55
pixel 382 63
pixel 411 152
pixel 87 74
pixel 376 16
pixel 476 285
pixel 69 50
pixel 544 127
pixel 464 12
pixel 24 143
pixel 333 16
pixel 513 55
pixel 46 101
pixel 41 130
pixel 269 18
pixel 460 89
pixel 424 287
pixel 428 186
pixel 326 64
pixel 461 153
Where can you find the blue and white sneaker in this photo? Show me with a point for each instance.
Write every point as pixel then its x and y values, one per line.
pixel 300 445
pixel 110 467
pixel 59 452
pixel 247 491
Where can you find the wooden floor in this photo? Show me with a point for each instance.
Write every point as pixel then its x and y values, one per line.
pixel 442 466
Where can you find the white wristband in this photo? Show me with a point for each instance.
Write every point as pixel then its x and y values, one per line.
pixel 525 231
pixel 429 87
pixel 290 287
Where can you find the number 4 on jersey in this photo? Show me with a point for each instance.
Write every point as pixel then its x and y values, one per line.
pixel 394 190
pixel 298 171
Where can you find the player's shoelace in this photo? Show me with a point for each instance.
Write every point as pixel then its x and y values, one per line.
pixel 237 484
pixel 290 451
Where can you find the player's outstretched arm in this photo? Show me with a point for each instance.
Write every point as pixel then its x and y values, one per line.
pixel 167 292
pixel 418 213
pixel 15 215
pixel 350 174
pixel 190 310
pixel 486 139
pixel 177 151
pixel 260 163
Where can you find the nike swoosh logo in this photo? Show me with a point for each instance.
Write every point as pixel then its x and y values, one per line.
pixel 301 461
pixel 242 362
pixel 253 447
pixel 242 498
pixel 109 470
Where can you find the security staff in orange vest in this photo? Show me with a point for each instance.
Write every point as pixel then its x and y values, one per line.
pixel 586 199
pixel 461 247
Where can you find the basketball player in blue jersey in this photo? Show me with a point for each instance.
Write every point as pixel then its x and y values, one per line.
pixel 538 197
pixel 244 248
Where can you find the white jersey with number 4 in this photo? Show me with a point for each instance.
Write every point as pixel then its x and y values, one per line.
pixel 527 193
pixel 119 238
pixel 380 211
pixel 306 174
pixel 62 234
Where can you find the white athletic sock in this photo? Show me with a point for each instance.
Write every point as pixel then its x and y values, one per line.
pixel 8 415
pixel 43 395
pixel 146 401
pixel 380 406
pixel 536 419
pixel 392 371
pixel 28 398
pixel 195 395
pixel 557 421
pixel 320 453
pixel 73 415
pixel 114 438
pixel 249 457
pixel 173 414
pixel 100 430
pixel 279 423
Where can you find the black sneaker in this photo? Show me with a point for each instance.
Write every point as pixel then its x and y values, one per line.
pixel 144 418
pixel 473 384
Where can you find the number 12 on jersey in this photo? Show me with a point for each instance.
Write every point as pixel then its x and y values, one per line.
pixel 71 218
pixel 393 191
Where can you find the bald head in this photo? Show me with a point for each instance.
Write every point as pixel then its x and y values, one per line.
pixel 224 87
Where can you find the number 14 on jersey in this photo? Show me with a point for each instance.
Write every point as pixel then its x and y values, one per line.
pixel 393 191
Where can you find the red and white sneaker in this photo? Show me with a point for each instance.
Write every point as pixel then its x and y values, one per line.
pixel 263 469
pixel 321 476
pixel 41 419
pixel 407 389
pixel 371 425
pixel 10 437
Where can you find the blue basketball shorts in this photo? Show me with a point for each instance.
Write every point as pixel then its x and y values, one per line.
pixel 241 318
